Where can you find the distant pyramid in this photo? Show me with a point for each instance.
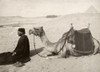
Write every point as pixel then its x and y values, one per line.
pixel 92 9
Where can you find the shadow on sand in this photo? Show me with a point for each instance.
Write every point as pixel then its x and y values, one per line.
pixel 6 57
pixel 34 52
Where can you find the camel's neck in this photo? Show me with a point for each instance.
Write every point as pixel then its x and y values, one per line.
pixel 44 38
pixel 47 44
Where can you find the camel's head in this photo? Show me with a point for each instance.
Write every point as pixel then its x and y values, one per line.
pixel 37 31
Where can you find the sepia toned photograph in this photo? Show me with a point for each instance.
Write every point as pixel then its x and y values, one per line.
pixel 49 35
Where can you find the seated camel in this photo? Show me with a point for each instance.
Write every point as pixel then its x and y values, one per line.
pixel 64 46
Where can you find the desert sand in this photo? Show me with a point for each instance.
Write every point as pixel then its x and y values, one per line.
pixel 54 29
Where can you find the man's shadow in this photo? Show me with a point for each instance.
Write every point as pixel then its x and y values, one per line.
pixel 6 57
pixel 36 51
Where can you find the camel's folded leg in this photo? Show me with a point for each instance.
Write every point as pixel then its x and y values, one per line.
pixel 64 53
pixel 53 57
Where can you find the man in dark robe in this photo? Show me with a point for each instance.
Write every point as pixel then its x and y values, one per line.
pixel 21 54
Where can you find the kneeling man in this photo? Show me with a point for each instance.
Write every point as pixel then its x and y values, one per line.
pixel 21 54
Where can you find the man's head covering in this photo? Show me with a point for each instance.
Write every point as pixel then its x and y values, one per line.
pixel 22 30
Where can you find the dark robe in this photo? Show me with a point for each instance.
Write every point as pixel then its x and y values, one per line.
pixel 22 49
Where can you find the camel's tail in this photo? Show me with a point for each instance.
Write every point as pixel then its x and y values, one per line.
pixel 99 47
pixel 97 50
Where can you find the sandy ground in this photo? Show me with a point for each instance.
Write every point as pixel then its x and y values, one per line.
pixel 54 30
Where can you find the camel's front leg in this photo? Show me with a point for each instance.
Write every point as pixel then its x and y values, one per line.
pixel 64 52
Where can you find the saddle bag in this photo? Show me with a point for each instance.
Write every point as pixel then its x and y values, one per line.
pixel 83 41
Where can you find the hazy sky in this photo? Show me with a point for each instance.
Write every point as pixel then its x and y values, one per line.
pixel 33 8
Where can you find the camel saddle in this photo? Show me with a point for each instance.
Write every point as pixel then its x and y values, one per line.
pixel 83 41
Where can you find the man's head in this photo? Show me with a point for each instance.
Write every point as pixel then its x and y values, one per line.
pixel 21 31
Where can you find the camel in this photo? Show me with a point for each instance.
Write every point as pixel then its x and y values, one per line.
pixel 63 47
